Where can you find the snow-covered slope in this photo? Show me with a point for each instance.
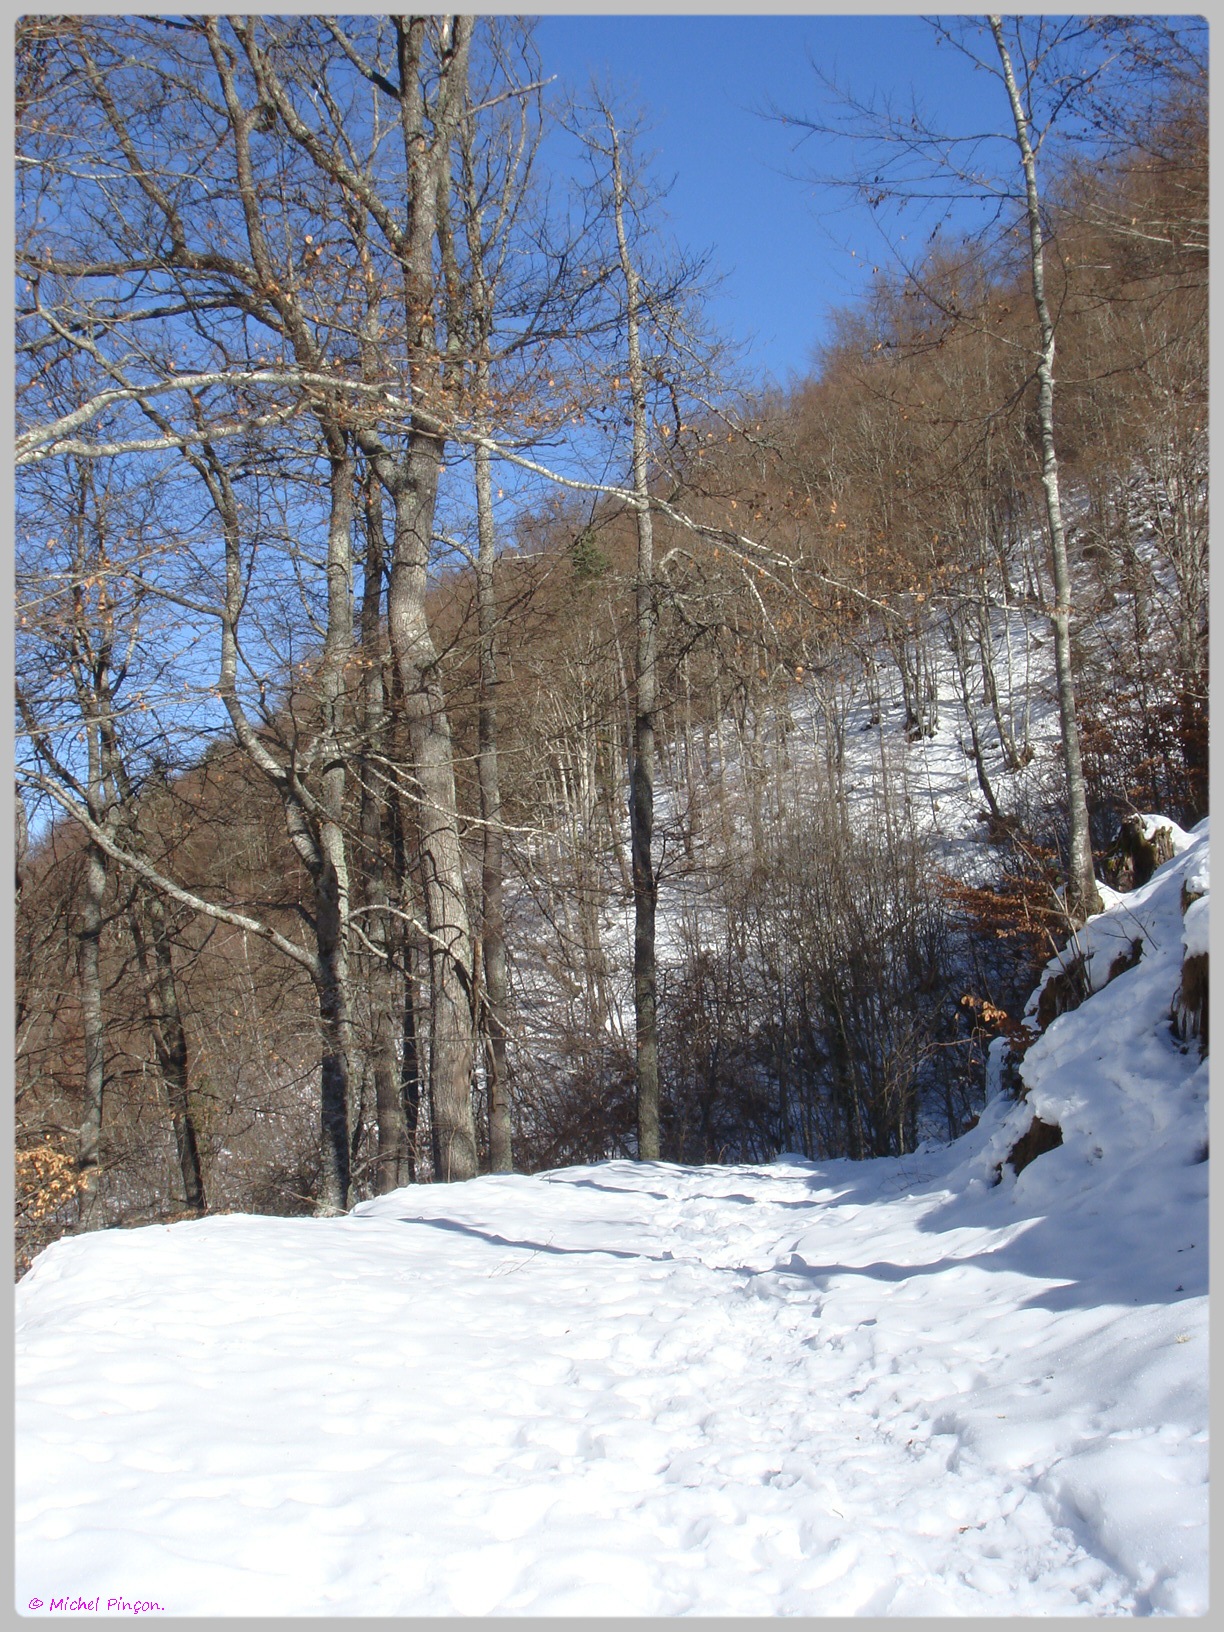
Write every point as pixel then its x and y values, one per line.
pixel 835 738
pixel 928 1385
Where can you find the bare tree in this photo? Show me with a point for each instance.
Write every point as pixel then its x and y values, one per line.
pixel 84 678
pixel 376 872
pixel 251 263
pixel 1083 897
pixel 490 187
pixel 645 686
pixel 904 157
pixel 664 368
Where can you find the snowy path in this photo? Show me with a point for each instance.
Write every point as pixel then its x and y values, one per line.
pixel 613 1390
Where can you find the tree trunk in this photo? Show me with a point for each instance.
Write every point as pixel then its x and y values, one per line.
pixel 393 1165
pixel 451 1045
pixel 151 936
pixel 410 1066
pixel 406 942
pixel 642 768
pixel 330 872
pixel 493 941
pixel 959 642
pixel 89 1138
pixel 412 481
pixel 21 846
pixel 332 988
pixel 1083 898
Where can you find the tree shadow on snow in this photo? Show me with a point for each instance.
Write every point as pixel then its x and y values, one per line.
pixel 1074 1263
pixel 456 1228
pixel 612 1189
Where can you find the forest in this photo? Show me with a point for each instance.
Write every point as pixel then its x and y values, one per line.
pixel 444 674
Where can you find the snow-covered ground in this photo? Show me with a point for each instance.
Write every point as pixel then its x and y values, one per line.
pixel 917 1386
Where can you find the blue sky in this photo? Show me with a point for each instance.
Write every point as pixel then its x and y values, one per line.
pixel 704 83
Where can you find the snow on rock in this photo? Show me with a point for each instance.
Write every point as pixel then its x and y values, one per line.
pixel 915 1386
pixel 1133 925
pixel 1195 929
pixel 1197 879
pixel 1178 839
pixel 1196 886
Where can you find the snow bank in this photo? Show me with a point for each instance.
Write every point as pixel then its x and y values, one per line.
pixel 922 1386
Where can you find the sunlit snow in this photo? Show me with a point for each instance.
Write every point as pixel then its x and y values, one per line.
pixel 914 1386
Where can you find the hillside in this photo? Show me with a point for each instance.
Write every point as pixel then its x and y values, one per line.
pixel 542 738
pixel 927 1384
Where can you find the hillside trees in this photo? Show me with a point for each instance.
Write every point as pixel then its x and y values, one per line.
pixel 1089 268
pixel 354 845
pixel 92 692
pixel 120 102
pixel 270 304
pixel 906 158
pixel 1083 898
pixel 1138 405
pixel 505 326
pixel 424 88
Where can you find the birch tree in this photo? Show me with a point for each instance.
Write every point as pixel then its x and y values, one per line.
pixel 1083 897
pixel 904 159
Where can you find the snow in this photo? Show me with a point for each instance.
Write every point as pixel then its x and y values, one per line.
pixel 1179 839
pixel 916 1386
pixel 1196 929
pixel 1195 889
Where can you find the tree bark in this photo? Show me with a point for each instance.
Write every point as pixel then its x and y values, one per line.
pixel 493 887
pixel 330 872
pixel 1083 898
pixel 642 768
pixel 21 846
pixel 151 936
pixel 89 1137
pixel 412 481
pixel 410 1065
pixel 451 1047
pixel 393 1160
